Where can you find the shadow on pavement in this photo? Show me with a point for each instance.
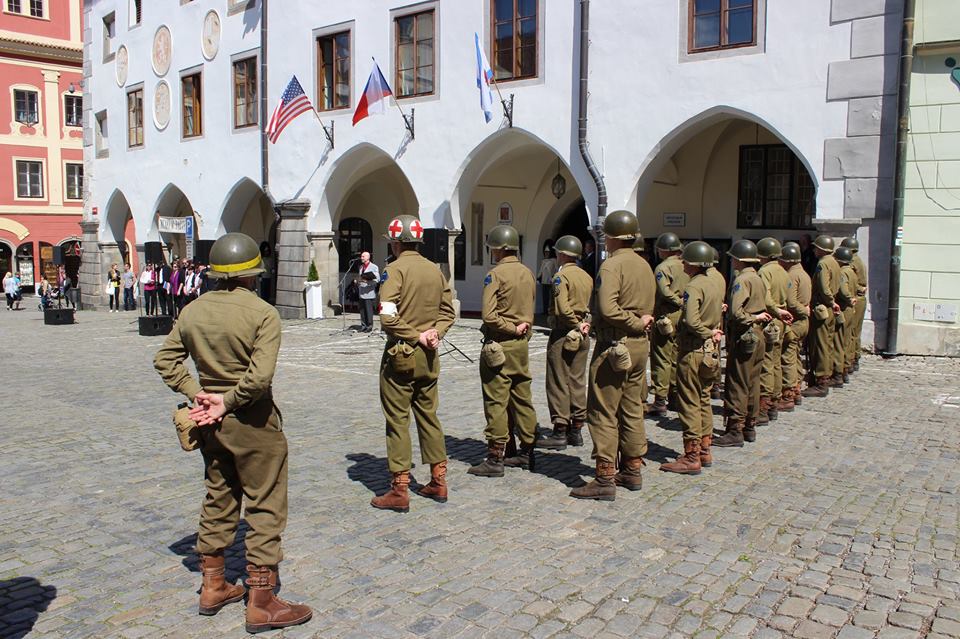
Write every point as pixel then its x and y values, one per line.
pixel 235 559
pixel 660 454
pixel 370 471
pixel 23 599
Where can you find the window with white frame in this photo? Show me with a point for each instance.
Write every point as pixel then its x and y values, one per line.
pixel 29 179
pixel 245 93
pixel 191 108
pixel 74 181
pixel 135 118
pixel 136 12
pixel 25 107
pixel 73 110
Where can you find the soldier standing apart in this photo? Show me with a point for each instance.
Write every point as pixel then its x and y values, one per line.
pixel 416 311
pixel 861 270
pixel 615 403
pixel 745 311
pixel 798 303
pixel 568 347
pixel 847 296
pixel 825 348
pixel 671 281
pixel 771 376
pixel 509 292
pixel 233 338
pixel 699 336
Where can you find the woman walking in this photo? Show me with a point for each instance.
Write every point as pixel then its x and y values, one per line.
pixel 113 288
pixel 9 289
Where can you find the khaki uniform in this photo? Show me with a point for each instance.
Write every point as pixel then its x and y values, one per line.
pixel 422 297
pixel 798 303
pixel 720 282
pixel 861 269
pixel 771 374
pixel 702 313
pixel 566 370
pixel 742 387
pixel 233 338
pixel 847 296
pixel 615 404
pixel 826 352
pixel 671 282
pixel 509 292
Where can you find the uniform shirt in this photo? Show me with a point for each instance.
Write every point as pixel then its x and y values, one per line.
pixel 509 291
pixel 414 297
pixel 776 280
pixel 826 281
pixel 718 280
pixel 702 308
pixel 747 298
pixel 572 288
pixel 799 291
pixel 233 338
pixel 671 282
pixel 625 292
pixel 848 286
pixel 861 270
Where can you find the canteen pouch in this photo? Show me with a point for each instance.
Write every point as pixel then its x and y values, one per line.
pixel 821 312
pixel 772 333
pixel 571 343
pixel 748 342
pixel 710 366
pixel 492 354
pixel 187 430
pixel 402 360
pixel 619 357
pixel 665 327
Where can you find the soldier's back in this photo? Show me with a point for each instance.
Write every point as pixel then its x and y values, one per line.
pixel 637 283
pixel 421 285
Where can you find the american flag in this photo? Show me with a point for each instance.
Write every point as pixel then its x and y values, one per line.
pixel 293 102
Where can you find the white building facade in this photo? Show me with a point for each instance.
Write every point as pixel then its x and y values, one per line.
pixel 717 119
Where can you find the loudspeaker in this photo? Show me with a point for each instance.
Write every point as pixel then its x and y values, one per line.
pixel 201 251
pixel 153 252
pixel 58 255
pixel 435 245
pixel 156 325
pixel 58 316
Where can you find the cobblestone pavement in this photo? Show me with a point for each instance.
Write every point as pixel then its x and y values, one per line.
pixel 841 521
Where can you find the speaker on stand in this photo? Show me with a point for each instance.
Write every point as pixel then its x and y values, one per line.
pixel 201 251
pixel 436 247
pixel 153 253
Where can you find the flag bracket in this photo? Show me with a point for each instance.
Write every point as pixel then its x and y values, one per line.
pixel 508 109
pixel 328 132
pixel 409 124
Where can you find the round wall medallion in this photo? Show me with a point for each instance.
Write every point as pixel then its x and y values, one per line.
pixel 122 62
pixel 162 51
pixel 210 42
pixel 161 105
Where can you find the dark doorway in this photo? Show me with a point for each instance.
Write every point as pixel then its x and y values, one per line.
pixel 575 222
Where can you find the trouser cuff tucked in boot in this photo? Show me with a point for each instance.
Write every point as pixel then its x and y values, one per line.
pixel 266 611
pixel 437 488
pixel 557 440
pixel 492 466
pixel 689 462
pixel 216 592
pixel 629 476
pixel 733 437
pixel 398 497
pixel 602 487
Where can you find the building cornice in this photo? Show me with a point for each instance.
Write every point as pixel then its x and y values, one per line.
pixel 12 44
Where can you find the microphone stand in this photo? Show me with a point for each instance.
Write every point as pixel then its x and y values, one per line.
pixel 343 298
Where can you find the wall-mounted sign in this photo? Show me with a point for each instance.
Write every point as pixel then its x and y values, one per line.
pixel 674 220
pixel 505 214
pixel 173 224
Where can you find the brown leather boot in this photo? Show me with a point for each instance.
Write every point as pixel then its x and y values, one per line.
pixel 836 381
pixel 398 497
pixel 437 488
pixel 786 401
pixel 266 611
pixel 524 457
pixel 797 397
pixel 216 592
pixel 706 458
pixel 492 466
pixel 557 440
pixel 658 408
pixel 820 389
pixel 763 417
pixel 629 476
pixel 733 438
pixel 750 430
pixel 575 434
pixel 602 487
pixel 689 462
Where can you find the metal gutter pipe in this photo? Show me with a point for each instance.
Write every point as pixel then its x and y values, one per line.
pixel 582 131
pixel 264 105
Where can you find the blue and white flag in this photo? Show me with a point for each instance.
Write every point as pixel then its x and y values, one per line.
pixel 484 78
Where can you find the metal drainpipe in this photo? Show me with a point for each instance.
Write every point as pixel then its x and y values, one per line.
pixel 903 131
pixel 264 105
pixel 582 132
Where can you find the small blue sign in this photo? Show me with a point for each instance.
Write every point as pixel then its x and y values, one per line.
pixel 188 229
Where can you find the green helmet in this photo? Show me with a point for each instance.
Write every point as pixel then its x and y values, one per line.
pixel 621 225
pixel 843 255
pixel 769 247
pixel 744 250
pixel 234 255
pixel 504 236
pixel 786 244
pixel 569 245
pixel 851 243
pixel 639 246
pixel 405 228
pixel 698 253
pixel 668 242
pixel 791 253
pixel 824 243
pixel 716 256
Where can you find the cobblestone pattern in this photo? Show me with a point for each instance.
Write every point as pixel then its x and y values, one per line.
pixel 841 521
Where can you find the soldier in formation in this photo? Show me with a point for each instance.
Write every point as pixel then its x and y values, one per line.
pixel 771 373
pixel 671 282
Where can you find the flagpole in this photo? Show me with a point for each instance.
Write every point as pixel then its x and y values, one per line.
pixel 407 121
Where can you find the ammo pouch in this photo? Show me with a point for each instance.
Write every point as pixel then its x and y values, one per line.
pixel 772 333
pixel 710 366
pixel 402 360
pixel 619 357
pixel 840 319
pixel 187 430
pixel 492 354
pixel 748 341
pixel 821 312
pixel 573 340
pixel 665 327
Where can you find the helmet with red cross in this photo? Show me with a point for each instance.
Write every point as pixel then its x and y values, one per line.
pixel 405 228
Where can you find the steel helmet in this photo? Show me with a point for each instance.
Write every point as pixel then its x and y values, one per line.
pixel 843 255
pixel 786 244
pixel 716 255
pixel 569 245
pixel 825 243
pixel 791 253
pixel 234 255
pixel 504 236
pixel 769 247
pixel 621 225
pixel 405 228
pixel 668 242
pixel 698 253
pixel 639 246
pixel 744 250
pixel 851 243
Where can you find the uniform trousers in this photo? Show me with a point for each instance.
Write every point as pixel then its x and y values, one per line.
pixel 663 358
pixel 826 350
pixel 693 391
pixel 399 394
pixel 566 379
pixel 507 397
pixel 742 386
pixel 615 404
pixel 793 336
pixel 771 374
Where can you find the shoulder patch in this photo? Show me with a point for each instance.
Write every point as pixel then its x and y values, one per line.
pixel 383 278
pixel 819 268
pixel 556 280
pixel 487 279
pixel 659 275
pixel 790 284
pixel 736 287
pixel 686 296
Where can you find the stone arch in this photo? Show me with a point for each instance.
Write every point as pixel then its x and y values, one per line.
pixel 172 202
pixel 247 209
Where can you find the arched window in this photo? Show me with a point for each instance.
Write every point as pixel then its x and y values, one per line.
pixel 25 264
pixel 6 259
pixel 354 237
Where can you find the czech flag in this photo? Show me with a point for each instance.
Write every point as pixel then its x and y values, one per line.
pixel 374 98
pixel 484 78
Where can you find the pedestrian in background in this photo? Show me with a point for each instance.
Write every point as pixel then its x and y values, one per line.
pixel 17 290
pixel 176 283
pixel 129 282
pixel 114 283
pixel 163 288
pixel 9 289
pixel 548 269
pixel 148 284
pixel 367 289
